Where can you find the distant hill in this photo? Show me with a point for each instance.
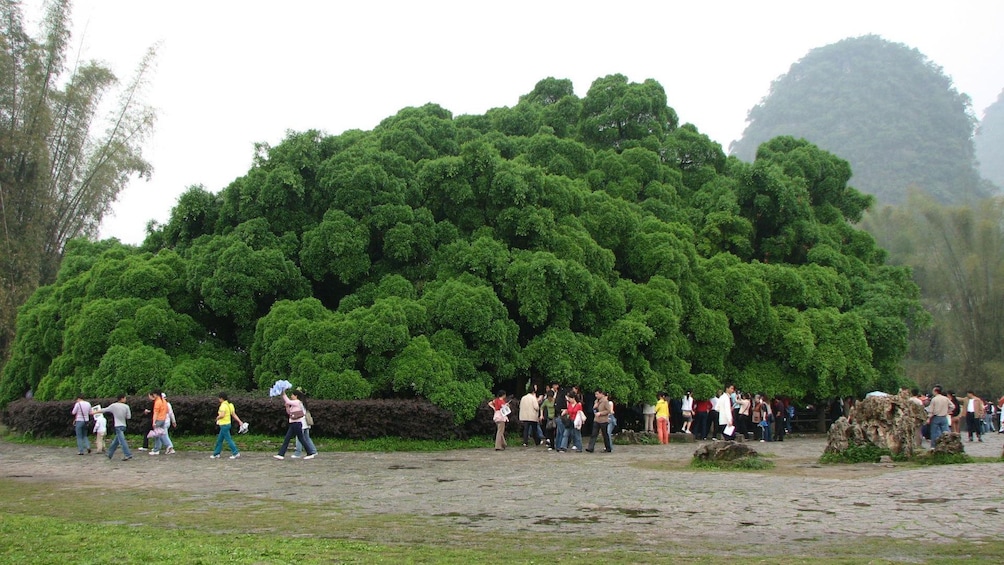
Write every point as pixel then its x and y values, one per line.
pixel 884 107
pixel 989 142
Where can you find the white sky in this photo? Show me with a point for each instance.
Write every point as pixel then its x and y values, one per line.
pixel 231 73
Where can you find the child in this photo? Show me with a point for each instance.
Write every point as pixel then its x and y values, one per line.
pixel 100 428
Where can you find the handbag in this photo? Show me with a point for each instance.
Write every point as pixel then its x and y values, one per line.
pixel 499 417
pixel 296 414
pixel 156 432
pixel 551 424
pixel 308 419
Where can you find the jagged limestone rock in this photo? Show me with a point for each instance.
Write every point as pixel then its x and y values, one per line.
pixel 890 422
pixel 949 444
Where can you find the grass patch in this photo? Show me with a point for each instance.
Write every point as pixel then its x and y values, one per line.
pixel 51 523
pixel 943 459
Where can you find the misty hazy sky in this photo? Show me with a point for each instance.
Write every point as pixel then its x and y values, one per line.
pixel 231 73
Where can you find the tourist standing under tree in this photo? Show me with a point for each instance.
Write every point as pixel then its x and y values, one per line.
pixel 725 414
pixel 601 417
pixel 662 418
pixel 500 418
pixel 529 417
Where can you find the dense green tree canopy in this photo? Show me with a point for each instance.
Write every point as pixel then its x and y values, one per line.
pixel 989 142
pixel 884 107
pixel 593 241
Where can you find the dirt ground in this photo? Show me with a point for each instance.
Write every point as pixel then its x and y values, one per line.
pixel 645 490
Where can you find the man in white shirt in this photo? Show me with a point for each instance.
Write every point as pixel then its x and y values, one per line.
pixel 724 406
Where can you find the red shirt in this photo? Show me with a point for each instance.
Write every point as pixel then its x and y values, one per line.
pixel 702 406
pixel 498 403
pixel 574 409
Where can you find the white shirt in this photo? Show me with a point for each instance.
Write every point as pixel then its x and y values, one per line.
pixel 725 412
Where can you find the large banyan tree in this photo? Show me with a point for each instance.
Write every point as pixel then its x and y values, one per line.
pixel 584 240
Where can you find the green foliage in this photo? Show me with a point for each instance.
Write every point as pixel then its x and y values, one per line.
pixel 588 241
pixel 892 113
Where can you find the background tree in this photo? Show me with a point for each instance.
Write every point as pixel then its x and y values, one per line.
pixel 989 142
pixel 957 256
pixel 892 113
pixel 58 177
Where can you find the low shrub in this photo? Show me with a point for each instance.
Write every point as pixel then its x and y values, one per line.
pixel 349 419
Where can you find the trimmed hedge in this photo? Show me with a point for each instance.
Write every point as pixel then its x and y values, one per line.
pixel 349 419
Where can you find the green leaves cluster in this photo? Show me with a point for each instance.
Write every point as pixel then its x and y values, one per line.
pixel 591 241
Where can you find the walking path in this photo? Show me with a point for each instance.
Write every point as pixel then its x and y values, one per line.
pixel 642 490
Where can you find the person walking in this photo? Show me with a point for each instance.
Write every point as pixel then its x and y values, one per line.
pixel 560 405
pixel 225 416
pixel 100 429
pixel 601 417
pixel 172 422
pixel 308 422
pixel 121 414
pixel 160 422
pixel 687 409
pixel 975 411
pixel 81 413
pixel 296 413
pixel 573 429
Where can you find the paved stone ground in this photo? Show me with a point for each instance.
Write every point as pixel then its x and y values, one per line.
pixel 636 489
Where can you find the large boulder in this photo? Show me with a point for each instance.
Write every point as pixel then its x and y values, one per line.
pixel 724 451
pixel 888 422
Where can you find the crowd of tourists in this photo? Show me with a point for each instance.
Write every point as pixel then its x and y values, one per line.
pixel 947 412
pixel 557 416
pixel 554 417
pixel 162 419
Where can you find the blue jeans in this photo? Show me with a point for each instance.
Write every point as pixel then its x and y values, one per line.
pixel 225 435
pixel 939 426
pixel 83 442
pixel 306 440
pixel 119 440
pixel 559 432
pixel 765 431
pixel 573 436
pixel 164 440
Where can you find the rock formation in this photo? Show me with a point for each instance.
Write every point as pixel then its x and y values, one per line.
pixel 891 422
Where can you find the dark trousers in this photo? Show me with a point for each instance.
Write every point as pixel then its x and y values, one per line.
pixel 973 425
pixel 597 429
pixel 295 429
pixel 531 428
pixel 702 425
pixel 713 423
